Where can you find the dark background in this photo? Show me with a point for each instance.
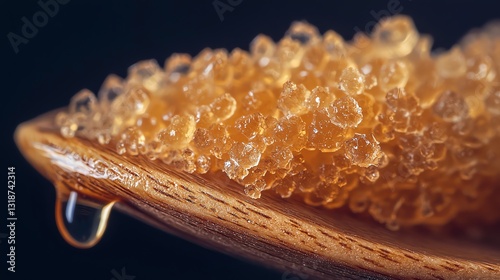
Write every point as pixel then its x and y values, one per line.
pixel 84 42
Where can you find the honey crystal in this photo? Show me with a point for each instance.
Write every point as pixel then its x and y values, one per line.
pixel 378 125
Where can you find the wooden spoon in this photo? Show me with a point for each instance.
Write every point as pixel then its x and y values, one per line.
pixel 214 212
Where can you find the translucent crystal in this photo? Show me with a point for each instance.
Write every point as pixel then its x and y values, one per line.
pixel 133 140
pixel 399 100
pixel 148 73
pixel 293 99
pixel 203 164
pixel 285 187
pixel 289 52
pixel 451 64
pixel 334 44
pixel 68 125
pixel 176 66
pixel 393 74
pixel 320 98
pixel 221 141
pixel 242 64
pixel 148 124
pixel 371 175
pixel 233 170
pixel 263 101
pixel 253 191
pixel 202 140
pixel 110 89
pixel 179 132
pixel 262 48
pixel 222 70
pixel 493 102
pixel 223 107
pixel 246 155
pixel 323 134
pixel 352 81
pixel 250 126
pixel 84 102
pixel 479 67
pixel 345 112
pixel 280 157
pixel 395 36
pixel 451 107
pixel 290 132
pixel 104 137
pixel 303 32
pixel 135 101
pixel 363 150
pixel 370 109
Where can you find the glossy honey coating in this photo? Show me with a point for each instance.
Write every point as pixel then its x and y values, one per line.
pixel 379 124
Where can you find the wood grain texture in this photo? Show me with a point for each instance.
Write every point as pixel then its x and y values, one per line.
pixel 284 234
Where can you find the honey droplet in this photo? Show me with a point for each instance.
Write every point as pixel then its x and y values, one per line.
pixel 81 220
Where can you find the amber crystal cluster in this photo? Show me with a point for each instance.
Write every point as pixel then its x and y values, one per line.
pixel 379 124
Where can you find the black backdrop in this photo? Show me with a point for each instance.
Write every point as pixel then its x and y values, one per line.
pixel 84 41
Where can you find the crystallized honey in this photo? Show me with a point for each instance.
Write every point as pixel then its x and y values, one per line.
pixel 379 125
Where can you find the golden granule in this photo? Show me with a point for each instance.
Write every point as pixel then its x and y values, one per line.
pixel 378 124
